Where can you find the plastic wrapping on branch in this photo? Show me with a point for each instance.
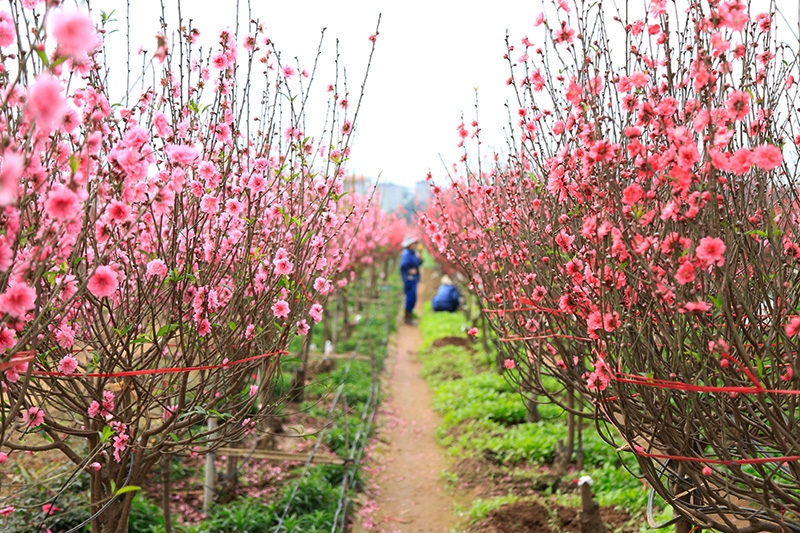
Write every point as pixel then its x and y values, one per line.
pixel 641 244
pixel 156 259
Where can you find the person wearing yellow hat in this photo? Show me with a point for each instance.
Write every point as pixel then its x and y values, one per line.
pixel 410 262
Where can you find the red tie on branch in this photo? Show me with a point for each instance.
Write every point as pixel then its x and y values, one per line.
pixel 157 371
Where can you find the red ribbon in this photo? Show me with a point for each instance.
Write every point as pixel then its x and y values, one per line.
pixel 156 371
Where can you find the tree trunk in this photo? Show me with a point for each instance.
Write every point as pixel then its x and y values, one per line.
pixel 533 410
pixel 570 449
pixel 166 491
pixel 115 517
pixel 346 327
pixel 297 389
pixel 579 452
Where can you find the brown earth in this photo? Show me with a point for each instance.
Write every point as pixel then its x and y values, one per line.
pixel 453 341
pixel 411 495
pixel 534 517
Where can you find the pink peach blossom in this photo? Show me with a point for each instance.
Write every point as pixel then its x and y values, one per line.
pixel 156 268
pixel 283 267
pixel 315 312
pixel 711 251
pixel 209 204
pixel 104 282
pixel 8 34
pixel 34 417
pixel 280 309
pixel 18 299
pixel 696 307
pixel 767 157
pixel 182 154
pixel 685 273
pixel 62 204
pixel 13 166
pixel 68 364
pixel 793 327
pixel 46 101
pixel 74 32
pixel 303 328
pixel 93 409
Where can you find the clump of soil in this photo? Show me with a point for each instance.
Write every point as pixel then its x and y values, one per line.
pixel 453 341
pixel 519 517
pixel 487 477
pixel 533 517
pixel 614 519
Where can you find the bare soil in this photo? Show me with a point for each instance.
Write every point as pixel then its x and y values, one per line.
pixel 453 341
pixel 535 517
pixel 411 495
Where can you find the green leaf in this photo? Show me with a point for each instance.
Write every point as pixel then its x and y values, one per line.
pixel 123 331
pixel 285 215
pixel 106 434
pixel 74 162
pixel 232 325
pixel 141 339
pixel 50 277
pixel 167 329
pixel 105 17
pixel 43 57
pixel 129 488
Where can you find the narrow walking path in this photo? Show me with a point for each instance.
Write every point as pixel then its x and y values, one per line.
pixel 412 495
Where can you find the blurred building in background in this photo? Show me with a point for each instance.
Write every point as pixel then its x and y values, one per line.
pixel 391 196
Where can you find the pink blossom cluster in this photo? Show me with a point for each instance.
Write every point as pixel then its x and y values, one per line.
pixel 156 256
pixel 374 238
pixel 648 208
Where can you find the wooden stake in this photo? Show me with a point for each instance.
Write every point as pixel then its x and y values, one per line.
pixel 211 472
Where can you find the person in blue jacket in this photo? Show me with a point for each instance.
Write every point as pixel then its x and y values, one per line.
pixel 410 262
pixel 447 297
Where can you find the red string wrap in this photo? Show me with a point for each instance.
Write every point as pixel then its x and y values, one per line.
pixel 724 462
pixel 157 371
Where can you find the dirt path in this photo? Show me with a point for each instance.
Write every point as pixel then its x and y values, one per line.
pixel 412 497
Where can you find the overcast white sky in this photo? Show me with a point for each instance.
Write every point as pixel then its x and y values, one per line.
pixel 430 58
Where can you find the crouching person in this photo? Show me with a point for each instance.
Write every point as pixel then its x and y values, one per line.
pixel 447 297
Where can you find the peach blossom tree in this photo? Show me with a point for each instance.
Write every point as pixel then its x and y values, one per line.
pixel 155 259
pixel 640 244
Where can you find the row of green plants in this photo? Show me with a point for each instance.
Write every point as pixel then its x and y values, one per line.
pixel 312 510
pixel 484 417
pixel 313 506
